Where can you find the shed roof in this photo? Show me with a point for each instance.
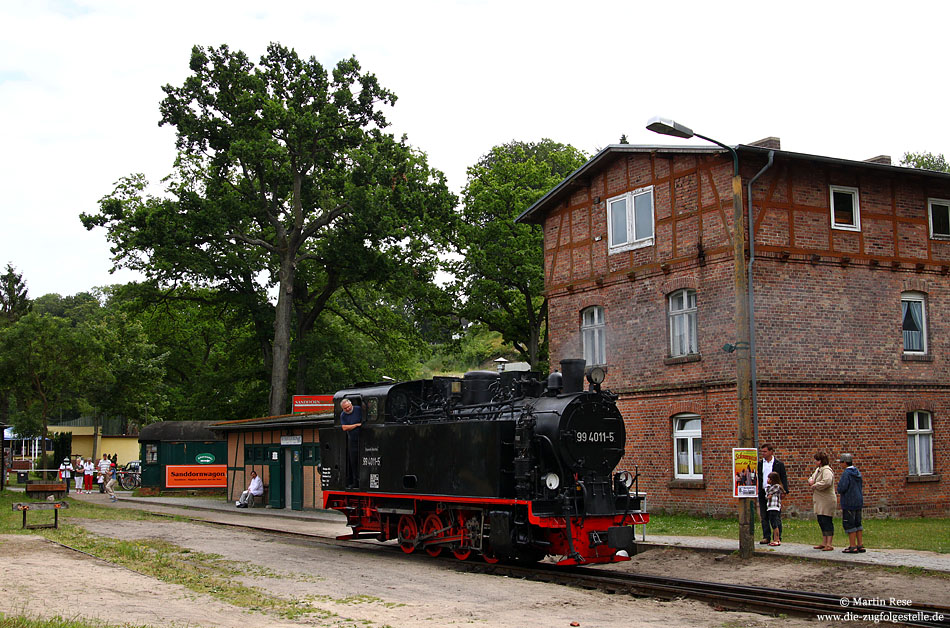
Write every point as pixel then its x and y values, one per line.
pixel 322 419
pixel 581 176
pixel 178 431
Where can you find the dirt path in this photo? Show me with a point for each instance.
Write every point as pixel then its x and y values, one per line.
pixel 353 588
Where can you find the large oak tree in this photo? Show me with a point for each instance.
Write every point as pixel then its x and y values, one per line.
pixel 282 166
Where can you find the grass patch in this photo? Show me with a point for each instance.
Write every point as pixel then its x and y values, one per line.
pixel 203 573
pixel 22 621
pixel 12 521
pixel 922 533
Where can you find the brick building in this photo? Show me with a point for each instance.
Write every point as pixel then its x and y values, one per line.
pixel 851 280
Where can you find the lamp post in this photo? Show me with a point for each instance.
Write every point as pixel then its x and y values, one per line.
pixel 742 346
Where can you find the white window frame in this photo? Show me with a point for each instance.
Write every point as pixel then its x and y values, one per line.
pixel 689 315
pixel 915 297
pixel 856 205
pixel 594 335
pixel 914 436
pixel 690 436
pixel 632 241
pixel 930 217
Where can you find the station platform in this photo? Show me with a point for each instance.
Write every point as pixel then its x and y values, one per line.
pixel 327 521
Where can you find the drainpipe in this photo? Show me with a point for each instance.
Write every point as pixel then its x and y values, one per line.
pixel 755 398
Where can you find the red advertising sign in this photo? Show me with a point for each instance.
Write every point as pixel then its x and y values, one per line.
pixel 196 476
pixel 313 403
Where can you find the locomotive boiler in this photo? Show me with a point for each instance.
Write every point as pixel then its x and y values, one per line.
pixel 511 466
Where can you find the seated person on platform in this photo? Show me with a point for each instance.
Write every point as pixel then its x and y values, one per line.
pixel 255 488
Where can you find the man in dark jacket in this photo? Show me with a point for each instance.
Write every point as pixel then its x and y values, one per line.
pixel 767 464
pixel 851 491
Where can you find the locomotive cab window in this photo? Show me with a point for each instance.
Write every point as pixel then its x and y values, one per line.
pixel 371 410
pixel 687 446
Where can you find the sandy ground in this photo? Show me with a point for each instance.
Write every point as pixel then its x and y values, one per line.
pixel 404 591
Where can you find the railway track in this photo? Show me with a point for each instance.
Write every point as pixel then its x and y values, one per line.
pixel 720 596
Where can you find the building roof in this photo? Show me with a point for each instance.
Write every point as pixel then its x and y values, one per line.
pixel 178 431
pixel 322 419
pixel 581 177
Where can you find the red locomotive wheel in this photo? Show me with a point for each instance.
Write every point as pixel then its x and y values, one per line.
pixel 407 530
pixel 432 525
pixel 462 553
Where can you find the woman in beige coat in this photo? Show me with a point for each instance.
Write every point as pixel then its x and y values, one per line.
pixel 822 482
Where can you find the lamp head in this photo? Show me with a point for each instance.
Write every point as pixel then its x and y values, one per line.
pixel 665 126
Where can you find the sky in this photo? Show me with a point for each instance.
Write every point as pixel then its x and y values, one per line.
pixel 80 86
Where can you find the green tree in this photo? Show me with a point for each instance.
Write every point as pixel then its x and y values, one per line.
pixel 14 299
pixel 42 358
pixel 926 161
pixel 502 267
pixel 271 158
pixel 14 304
pixel 212 369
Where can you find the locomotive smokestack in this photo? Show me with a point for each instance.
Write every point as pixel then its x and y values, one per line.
pixel 573 370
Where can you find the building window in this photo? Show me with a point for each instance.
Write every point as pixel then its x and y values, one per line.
pixel 920 436
pixel 630 220
pixel 151 453
pixel 688 446
pixel 593 334
pixel 845 212
pixel 683 336
pixel 939 211
pixel 914 322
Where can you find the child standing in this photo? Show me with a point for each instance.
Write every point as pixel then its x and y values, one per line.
pixel 773 495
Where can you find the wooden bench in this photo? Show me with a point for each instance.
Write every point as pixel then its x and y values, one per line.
pixel 42 490
pixel 259 500
pixel 54 506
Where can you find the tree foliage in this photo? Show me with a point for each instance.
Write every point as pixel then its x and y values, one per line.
pixel 14 299
pixel 502 267
pixel 283 171
pixel 926 161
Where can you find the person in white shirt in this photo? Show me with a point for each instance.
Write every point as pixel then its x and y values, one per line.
pixel 66 473
pixel 89 470
pixel 255 488
pixel 104 465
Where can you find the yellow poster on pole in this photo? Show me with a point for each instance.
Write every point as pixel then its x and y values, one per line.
pixel 744 463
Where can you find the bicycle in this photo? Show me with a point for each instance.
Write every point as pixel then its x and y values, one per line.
pixel 130 479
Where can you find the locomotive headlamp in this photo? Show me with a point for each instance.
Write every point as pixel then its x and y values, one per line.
pixel 626 478
pixel 596 375
pixel 551 480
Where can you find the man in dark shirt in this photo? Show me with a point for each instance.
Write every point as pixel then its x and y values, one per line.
pixel 351 419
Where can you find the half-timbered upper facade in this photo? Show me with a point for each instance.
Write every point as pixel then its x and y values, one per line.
pixel 851 283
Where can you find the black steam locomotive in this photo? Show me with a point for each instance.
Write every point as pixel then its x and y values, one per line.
pixel 510 465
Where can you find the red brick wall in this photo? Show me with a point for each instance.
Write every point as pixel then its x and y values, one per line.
pixel 831 369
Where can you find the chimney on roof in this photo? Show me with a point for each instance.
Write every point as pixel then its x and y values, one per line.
pixel 772 143
pixel 880 159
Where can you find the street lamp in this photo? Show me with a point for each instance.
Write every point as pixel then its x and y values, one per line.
pixel 665 126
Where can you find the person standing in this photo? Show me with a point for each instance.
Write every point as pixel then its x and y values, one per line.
pixel 774 496
pixel 88 470
pixel 66 473
pixel 351 419
pixel 104 465
pixel 767 464
pixel 822 483
pixel 79 474
pixel 851 490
